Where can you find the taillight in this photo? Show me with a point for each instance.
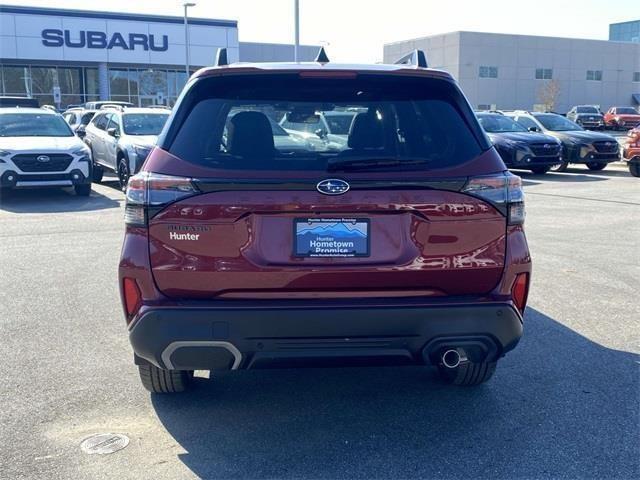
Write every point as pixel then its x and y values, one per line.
pixel 520 291
pixel 132 296
pixel 148 193
pixel 503 191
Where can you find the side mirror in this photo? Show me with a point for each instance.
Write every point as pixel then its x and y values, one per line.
pixel 321 133
pixel 113 132
pixel 533 129
pixel 81 131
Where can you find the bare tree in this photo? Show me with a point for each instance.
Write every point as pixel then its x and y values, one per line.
pixel 549 94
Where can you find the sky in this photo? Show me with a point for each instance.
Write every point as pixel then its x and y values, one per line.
pixel 356 30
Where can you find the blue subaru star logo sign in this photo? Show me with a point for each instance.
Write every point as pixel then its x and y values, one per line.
pixel 333 186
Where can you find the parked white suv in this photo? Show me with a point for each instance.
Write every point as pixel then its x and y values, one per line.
pixel 121 138
pixel 38 148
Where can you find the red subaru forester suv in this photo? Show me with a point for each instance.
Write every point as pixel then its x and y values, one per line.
pixel 255 239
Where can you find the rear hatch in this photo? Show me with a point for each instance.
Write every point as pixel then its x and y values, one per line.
pixel 388 214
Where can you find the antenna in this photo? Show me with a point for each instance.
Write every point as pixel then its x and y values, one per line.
pixel 221 58
pixel 322 56
pixel 416 58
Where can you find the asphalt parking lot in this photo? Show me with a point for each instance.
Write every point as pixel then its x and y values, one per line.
pixel 564 404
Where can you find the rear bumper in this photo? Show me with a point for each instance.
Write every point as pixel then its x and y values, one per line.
pixel 250 336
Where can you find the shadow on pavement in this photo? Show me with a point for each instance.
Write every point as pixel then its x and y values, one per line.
pixel 574 177
pixel 50 200
pixel 559 405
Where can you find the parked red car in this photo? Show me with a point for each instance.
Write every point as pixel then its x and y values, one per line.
pixel 631 151
pixel 621 118
pixel 405 245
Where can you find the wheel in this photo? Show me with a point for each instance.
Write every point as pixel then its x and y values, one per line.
pixel 157 380
pixel 634 168
pixel 467 374
pixel 540 170
pixel 561 167
pixel 83 190
pixel 596 165
pixel 123 174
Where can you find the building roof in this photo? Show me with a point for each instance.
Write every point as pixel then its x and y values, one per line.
pixel 59 12
pixel 462 32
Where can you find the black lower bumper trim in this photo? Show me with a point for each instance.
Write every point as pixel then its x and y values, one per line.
pixel 211 338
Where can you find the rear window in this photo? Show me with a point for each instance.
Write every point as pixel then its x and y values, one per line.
pixel 86 118
pixel 376 123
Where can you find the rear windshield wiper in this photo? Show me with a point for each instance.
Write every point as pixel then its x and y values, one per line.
pixel 336 164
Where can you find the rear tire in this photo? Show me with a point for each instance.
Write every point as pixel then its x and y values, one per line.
pixel 123 174
pixel 634 168
pixel 540 170
pixel 561 167
pixel 96 171
pixel 83 190
pixel 467 374
pixel 595 166
pixel 157 380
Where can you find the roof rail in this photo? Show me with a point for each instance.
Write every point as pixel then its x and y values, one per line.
pixel 111 106
pixel 416 58
pixel 322 56
pixel 221 58
pixel 162 107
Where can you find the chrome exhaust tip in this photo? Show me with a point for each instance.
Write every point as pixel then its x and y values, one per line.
pixel 453 358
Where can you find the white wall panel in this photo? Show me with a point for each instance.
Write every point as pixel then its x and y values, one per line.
pixel 7 24
pixel 8 47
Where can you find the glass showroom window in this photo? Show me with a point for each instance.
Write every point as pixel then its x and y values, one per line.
pixel 70 83
pixel 119 85
pixel 544 73
pixel 152 83
pixel 488 72
pixel 16 80
pixel 91 84
pixel 595 75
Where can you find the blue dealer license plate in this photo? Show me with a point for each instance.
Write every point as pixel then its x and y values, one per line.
pixel 331 237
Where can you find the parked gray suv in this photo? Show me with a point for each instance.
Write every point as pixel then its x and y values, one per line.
pixel 121 138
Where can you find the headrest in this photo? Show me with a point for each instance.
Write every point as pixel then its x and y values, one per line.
pixel 366 132
pixel 249 135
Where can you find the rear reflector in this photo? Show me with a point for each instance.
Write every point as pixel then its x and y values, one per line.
pixel 520 291
pixel 132 296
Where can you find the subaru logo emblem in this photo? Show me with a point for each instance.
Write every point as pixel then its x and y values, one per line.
pixel 608 144
pixel 333 186
pixel 42 158
pixel 546 145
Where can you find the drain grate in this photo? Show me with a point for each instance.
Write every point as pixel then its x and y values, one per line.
pixel 104 443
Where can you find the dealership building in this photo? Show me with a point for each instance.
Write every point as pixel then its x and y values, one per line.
pixel 515 71
pixel 76 56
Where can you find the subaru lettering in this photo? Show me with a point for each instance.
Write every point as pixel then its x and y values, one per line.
pixel 53 37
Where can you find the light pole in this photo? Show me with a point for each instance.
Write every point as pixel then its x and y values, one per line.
pixel 296 14
pixel 186 37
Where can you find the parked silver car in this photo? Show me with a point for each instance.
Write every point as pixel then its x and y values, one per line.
pixel 78 118
pixel 121 138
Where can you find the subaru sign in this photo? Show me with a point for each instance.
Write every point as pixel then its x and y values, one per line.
pixel 53 37
pixel 64 37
